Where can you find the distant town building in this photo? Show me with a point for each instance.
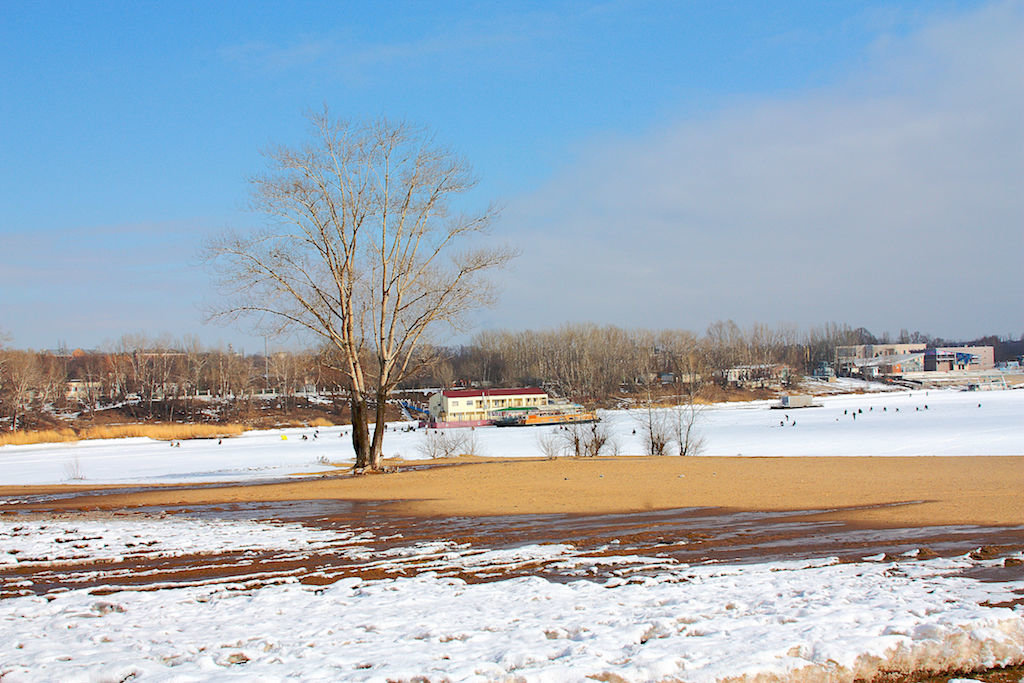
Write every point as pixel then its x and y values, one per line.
pixel 875 359
pixel 947 358
pixel 83 390
pixel 479 405
pixel 825 371
pixel 887 360
pixel 759 375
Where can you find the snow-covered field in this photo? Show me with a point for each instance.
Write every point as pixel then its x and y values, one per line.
pixel 639 618
pixel 813 619
pixel 904 423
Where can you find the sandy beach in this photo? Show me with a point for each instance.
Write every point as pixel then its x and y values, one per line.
pixel 479 534
pixel 906 491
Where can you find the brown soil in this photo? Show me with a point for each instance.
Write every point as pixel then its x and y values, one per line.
pixel 747 509
pixel 905 491
pixel 1010 674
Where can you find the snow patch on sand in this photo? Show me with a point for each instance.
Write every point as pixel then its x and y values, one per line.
pixel 814 619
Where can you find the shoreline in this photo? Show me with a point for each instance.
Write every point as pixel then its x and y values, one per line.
pixel 888 491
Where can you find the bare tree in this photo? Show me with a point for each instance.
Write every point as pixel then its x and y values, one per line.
pixel 574 440
pixel 53 381
pixel 191 372
pixel 597 440
pixel 688 359
pixel 364 251
pixel 684 418
pixel 584 439
pixel 655 425
pixel 549 443
pixel 287 370
pixel 90 372
pixel 656 429
pixel 118 363
pixel 726 347
pixel 21 377
pixel 3 366
pixel 437 443
pixel 444 373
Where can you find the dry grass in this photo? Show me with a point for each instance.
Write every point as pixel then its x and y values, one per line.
pixel 42 436
pixel 299 422
pixel 160 432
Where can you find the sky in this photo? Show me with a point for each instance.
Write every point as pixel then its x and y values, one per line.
pixel 659 164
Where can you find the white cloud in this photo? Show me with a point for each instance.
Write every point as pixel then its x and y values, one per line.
pixel 360 54
pixel 892 199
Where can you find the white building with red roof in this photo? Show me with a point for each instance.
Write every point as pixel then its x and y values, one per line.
pixel 467 407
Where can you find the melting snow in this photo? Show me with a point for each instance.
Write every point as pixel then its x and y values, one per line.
pixel 814 619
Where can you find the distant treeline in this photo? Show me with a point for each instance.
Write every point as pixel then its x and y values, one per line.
pixel 592 362
pixel 585 362
pixel 147 378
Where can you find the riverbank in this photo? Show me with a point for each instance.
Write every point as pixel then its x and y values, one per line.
pixel 900 491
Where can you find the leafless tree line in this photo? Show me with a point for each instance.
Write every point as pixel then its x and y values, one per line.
pixel 148 378
pixel 584 362
pixel 589 362
pixel 27 379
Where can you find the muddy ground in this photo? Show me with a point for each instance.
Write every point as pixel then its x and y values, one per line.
pixel 679 510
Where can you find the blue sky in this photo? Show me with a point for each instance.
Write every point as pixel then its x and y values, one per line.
pixel 661 164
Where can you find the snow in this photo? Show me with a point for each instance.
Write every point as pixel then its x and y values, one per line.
pixel 697 623
pixel 936 422
pixel 29 543
pixel 640 618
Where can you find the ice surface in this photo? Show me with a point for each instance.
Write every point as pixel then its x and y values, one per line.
pixel 886 424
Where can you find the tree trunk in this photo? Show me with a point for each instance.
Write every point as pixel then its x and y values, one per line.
pixel 379 427
pixel 360 432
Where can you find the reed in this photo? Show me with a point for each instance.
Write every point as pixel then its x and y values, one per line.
pixel 160 432
pixel 297 423
pixel 24 438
